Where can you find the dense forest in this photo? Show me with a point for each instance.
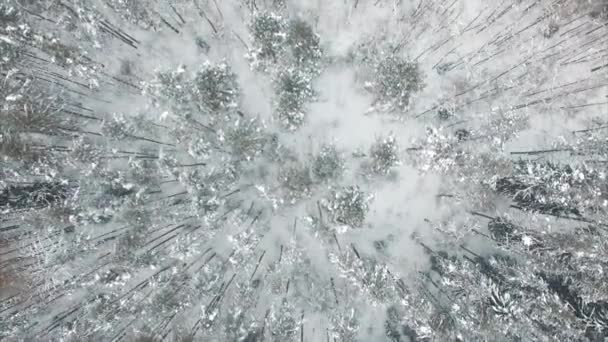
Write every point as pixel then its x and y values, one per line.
pixel 304 170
